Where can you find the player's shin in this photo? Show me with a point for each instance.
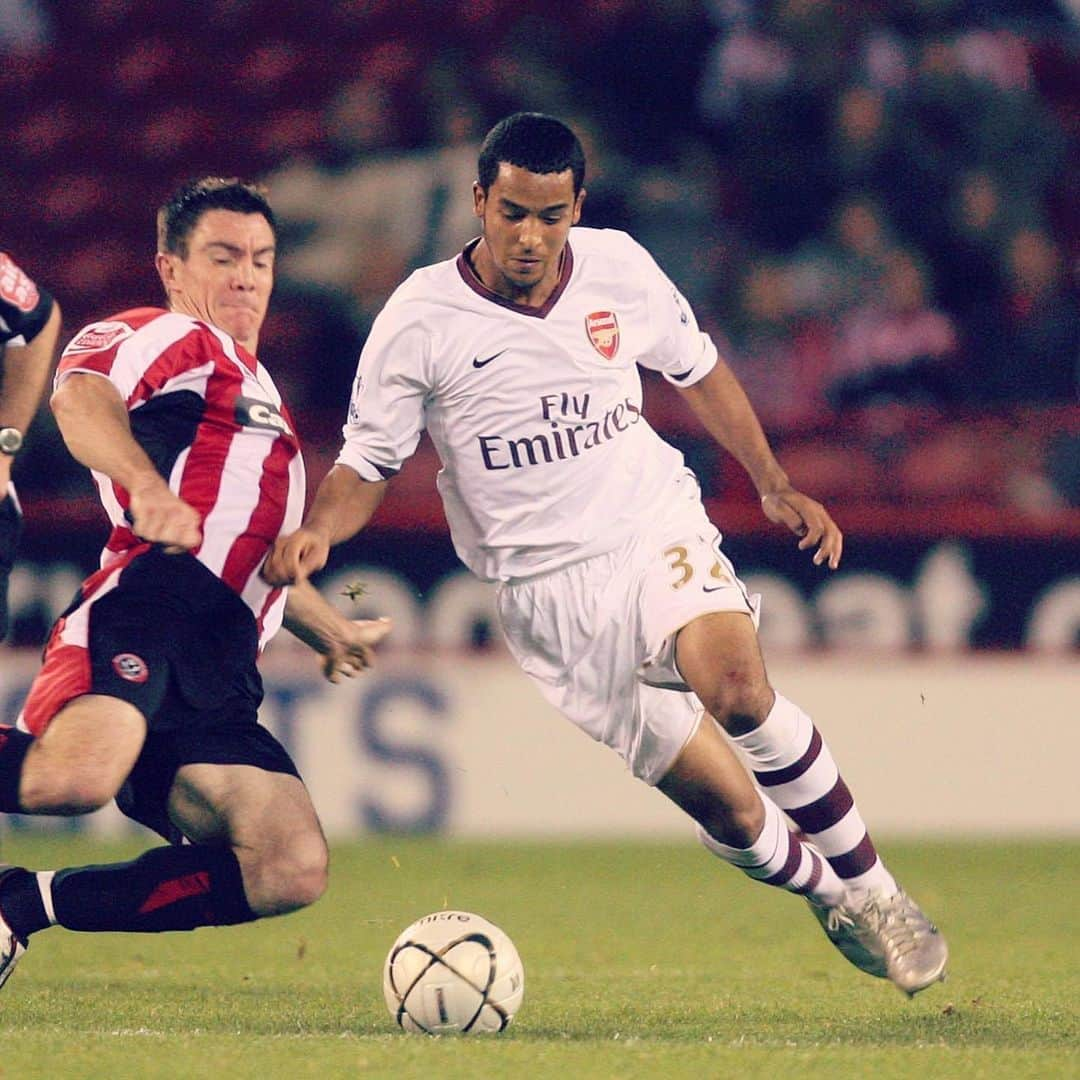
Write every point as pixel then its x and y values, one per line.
pixel 793 765
pixel 778 857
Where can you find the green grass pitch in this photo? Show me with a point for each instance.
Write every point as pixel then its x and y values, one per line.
pixel 641 960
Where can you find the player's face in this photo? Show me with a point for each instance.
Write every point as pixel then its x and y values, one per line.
pixel 526 219
pixel 228 274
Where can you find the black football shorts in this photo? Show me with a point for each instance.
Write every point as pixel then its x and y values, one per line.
pixel 174 641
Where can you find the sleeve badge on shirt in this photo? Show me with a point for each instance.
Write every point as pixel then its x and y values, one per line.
pixel 603 330
pixel 97 337
pixel 15 287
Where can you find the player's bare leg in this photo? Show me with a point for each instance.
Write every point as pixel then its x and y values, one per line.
pixel 878 927
pixel 256 836
pixel 79 762
pixel 77 765
pixel 709 782
pixel 267 819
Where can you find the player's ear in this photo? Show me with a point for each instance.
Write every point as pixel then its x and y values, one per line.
pixel 577 206
pixel 166 268
pixel 479 198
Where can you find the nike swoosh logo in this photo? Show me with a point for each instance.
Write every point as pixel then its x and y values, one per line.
pixel 713 588
pixel 477 362
pixel 681 377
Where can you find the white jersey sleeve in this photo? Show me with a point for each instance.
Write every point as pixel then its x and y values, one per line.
pixel 681 352
pixel 386 410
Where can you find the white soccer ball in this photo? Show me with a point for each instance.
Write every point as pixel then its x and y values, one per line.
pixel 453 973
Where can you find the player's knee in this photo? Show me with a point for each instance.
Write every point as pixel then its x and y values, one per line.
pixel 739 701
pixel 307 883
pixel 737 826
pixel 294 879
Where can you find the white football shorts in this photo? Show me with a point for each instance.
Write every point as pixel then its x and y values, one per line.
pixel 598 636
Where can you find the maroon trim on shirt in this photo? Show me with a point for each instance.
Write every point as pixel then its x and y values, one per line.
pixel 471 278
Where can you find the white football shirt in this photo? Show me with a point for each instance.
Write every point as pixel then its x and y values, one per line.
pixel 535 412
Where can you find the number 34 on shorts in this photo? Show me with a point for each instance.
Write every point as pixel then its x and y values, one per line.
pixel 698 562
pixel 693 577
pixel 686 579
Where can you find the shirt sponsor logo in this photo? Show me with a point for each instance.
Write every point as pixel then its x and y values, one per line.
pixel 561 442
pixel 15 287
pixel 603 330
pixel 97 337
pixel 250 412
pixel 130 668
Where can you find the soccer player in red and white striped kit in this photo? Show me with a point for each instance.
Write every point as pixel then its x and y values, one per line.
pixel 149 688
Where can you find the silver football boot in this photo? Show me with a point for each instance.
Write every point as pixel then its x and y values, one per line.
pixel 887 936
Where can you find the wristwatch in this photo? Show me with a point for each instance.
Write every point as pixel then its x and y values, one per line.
pixel 11 441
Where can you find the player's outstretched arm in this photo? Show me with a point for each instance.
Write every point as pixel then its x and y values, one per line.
pixel 24 374
pixel 723 407
pixel 343 505
pixel 25 371
pixel 94 422
pixel 347 646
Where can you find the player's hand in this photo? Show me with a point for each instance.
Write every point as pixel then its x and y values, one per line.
pixel 160 516
pixel 296 557
pixel 809 520
pixel 354 650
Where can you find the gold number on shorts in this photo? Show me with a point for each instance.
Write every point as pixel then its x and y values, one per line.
pixel 719 573
pixel 678 555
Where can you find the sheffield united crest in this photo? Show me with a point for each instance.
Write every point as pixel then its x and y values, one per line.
pixel 603 330
pixel 130 668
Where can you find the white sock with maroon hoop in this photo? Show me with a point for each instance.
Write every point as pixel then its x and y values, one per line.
pixel 795 768
pixel 778 857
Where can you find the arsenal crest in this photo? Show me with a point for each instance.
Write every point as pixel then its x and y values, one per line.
pixel 603 330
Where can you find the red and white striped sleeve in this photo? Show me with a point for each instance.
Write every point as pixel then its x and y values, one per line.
pixel 139 352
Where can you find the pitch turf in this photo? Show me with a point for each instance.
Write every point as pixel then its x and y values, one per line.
pixel 641 960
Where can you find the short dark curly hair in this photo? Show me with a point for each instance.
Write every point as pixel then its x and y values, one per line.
pixel 532 141
pixel 183 209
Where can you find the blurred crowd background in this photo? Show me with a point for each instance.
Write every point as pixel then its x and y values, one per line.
pixel 871 204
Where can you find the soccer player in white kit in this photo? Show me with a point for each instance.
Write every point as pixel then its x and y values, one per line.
pixel 520 357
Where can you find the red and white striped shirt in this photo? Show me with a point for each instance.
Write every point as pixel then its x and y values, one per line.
pixel 210 418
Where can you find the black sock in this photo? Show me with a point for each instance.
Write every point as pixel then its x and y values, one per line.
pixel 21 903
pixel 166 888
pixel 13 747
